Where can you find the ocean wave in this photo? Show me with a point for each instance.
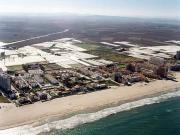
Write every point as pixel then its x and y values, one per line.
pixel 86 118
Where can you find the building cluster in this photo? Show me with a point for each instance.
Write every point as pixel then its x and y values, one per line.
pixel 176 66
pixel 46 81
pixel 155 68
pixel 42 82
pixel 177 56
pixel 60 68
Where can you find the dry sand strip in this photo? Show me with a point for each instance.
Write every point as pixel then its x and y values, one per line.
pixel 17 116
pixel 7 105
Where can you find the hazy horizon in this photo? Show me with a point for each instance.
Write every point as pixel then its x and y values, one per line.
pixel 121 8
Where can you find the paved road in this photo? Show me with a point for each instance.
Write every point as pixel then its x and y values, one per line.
pixel 39 39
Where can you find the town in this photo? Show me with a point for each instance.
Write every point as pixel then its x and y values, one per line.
pixel 46 71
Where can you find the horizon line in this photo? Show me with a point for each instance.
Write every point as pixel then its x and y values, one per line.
pixel 84 14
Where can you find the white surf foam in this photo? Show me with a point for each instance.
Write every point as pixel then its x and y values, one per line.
pixel 86 118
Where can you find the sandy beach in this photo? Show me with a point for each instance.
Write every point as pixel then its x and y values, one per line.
pixel 67 106
pixel 7 105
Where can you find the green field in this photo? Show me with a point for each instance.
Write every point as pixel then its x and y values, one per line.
pixel 15 68
pixel 88 46
pixel 105 53
pixel 112 56
pixel 122 65
pixel 3 100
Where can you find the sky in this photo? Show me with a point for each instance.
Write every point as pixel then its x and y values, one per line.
pixel 133 8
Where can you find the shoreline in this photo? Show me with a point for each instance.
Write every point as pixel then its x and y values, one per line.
pixel 62 108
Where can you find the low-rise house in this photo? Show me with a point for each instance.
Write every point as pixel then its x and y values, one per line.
pixel 157 61
pixel 54 94
pixel 36 72
pixel 149 74
pixel 51 79
pixel 23 101
pixel 162 71
pixel 118 77
pixel 66 93
pixel 20 84
pixel 136 78
pixel 31 66
pixel 131 67
pixel 76 89
pixel 101 86
pixel 13 96
pixel 39 79
pixel 42 96
pixel 33 98
pixel 175 67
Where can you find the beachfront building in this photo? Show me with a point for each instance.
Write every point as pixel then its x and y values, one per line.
pixel 178 55
pixel 131 67
pixel 157 61
pixel 118 77
pixel 175 67
pixel 162 71
pixel 5 82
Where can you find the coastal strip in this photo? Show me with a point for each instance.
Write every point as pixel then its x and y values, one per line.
pixel 91 102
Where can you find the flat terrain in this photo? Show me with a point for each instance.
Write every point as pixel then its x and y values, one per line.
pixel 144 32
pixel 112 56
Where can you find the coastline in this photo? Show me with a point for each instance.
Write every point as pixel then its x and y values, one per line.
pixel 40 113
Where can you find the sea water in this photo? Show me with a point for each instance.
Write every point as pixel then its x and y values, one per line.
pixel 156 119
pixel 150 116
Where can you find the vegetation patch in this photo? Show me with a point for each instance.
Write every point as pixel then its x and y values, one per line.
pixel 3 100
pixel 88 46
pixel 15 68
pixel 111 83
pixel 122 66
pixel 112 56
